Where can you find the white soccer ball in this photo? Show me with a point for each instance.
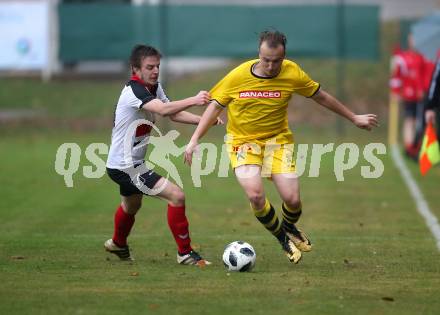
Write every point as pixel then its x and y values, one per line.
pixel 239 256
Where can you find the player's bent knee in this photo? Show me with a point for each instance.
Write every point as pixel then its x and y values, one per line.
pixel 178 197
pixel 293 203
pixel 131 207
pixel 258 200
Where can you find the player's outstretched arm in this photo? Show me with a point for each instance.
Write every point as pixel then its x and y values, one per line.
pixel 367 121
pixel 170 108
pixel 185 117
pixel 209 117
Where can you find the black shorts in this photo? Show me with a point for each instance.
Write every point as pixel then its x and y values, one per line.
pixel 410 108
pixel 126 185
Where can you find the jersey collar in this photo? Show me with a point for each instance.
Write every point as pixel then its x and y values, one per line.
pixel 137 79
pixel 151 88
pixel 259 76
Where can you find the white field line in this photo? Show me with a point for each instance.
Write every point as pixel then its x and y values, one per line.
pixel 422 206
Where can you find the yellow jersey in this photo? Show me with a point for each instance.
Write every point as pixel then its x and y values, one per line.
pixel 257 106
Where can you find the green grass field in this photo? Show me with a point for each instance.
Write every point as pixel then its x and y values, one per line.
pixel 373 253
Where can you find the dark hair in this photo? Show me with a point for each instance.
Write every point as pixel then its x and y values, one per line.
pixel 139 52
pixel 273 38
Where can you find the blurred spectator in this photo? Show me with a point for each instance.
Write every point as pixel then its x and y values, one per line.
pixel 410 77
pixel 433 102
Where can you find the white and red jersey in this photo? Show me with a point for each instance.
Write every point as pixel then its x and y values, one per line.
pixel 128 123
pixel 410 73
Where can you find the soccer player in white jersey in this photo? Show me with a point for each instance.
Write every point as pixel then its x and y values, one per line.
pixel 142 98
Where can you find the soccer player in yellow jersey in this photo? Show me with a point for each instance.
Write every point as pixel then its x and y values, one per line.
pixel 260 143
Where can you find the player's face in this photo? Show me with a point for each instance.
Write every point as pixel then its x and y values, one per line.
pixel 149 70
pixel 271 59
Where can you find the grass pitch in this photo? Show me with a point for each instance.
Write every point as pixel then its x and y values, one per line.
pixel 372 251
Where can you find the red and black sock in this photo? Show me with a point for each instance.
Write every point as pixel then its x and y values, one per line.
pixel 123 224
pixel 179 227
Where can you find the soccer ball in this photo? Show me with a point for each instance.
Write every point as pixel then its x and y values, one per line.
pixel 239 256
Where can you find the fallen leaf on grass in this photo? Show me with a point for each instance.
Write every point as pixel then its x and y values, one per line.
pixel 201 264
pixel 18 257
pixel 153 306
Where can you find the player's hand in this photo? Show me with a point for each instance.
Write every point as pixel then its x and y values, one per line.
pixel 202 98
pixel 430 116
pixel 219 121
pixel 191 148
pixel 367 121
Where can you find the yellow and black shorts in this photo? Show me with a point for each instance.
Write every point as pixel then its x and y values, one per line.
pixel 273 158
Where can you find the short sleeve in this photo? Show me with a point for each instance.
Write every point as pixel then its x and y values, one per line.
pixel 161 94
pixel 141 93
pixel 303 84
pixel 222 91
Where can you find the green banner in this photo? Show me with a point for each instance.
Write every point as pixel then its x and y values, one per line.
pixel 108 32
